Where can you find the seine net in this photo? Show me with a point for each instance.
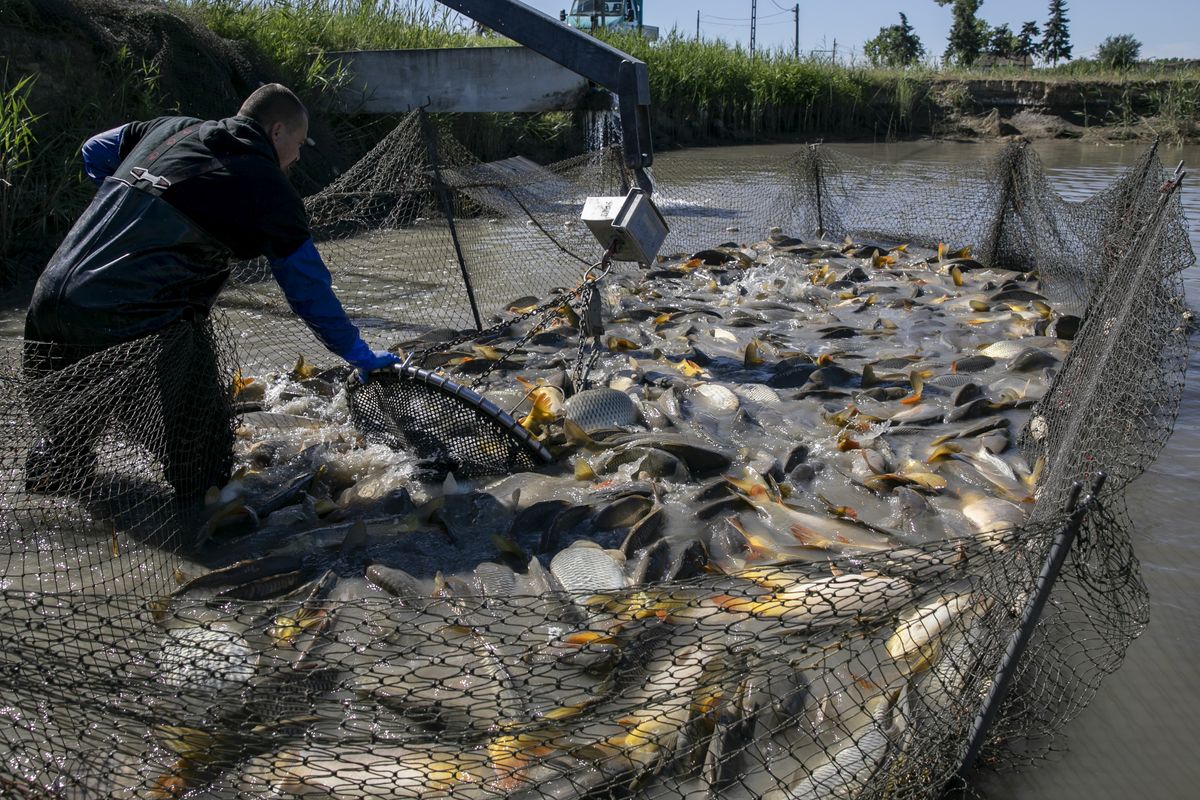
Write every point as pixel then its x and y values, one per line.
pixel 443 422
pixel 626 620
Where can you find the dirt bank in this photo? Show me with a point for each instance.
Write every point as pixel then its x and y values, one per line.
pixel 1055 109
pixel 96 64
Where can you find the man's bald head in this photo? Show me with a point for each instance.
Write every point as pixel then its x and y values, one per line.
pixel 281 114
pixel 274 102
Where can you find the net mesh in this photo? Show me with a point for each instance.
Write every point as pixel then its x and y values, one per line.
pixel 324 623
pixel 445 423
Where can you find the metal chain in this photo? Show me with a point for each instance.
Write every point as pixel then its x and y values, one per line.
pixel 553 307
pixel 577 299
pixel 579 373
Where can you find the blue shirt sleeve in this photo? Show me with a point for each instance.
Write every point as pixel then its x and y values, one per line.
pixel 102 154
pixel 308 286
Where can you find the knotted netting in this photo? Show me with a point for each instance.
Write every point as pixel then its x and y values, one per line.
pixel 785 575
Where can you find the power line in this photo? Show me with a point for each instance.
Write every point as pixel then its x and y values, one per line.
pixel 743 19
pixel 744 24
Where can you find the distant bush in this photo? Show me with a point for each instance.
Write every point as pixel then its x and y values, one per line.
pixel 895 46
pixel 1119 52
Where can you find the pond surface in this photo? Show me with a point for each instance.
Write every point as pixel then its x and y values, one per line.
pixel 1137 738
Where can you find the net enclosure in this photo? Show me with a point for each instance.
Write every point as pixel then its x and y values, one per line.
pixel 799 496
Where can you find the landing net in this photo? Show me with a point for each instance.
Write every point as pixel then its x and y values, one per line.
pixel 679 606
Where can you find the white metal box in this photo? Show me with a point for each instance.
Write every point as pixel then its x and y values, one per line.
pixel 632 221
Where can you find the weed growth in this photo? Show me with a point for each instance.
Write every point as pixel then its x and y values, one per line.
pixel 17 142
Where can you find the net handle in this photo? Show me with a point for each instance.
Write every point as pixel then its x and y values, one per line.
pixel 410 372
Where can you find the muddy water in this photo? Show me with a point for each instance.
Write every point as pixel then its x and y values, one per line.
pixel 1137 737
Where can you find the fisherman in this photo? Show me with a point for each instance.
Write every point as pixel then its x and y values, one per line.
pixel 179 198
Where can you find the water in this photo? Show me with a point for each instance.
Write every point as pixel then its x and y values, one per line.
pixel 1136 737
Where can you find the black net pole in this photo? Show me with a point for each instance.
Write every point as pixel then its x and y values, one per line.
pixel 448 210
pixel 1032 612
pixel 816 179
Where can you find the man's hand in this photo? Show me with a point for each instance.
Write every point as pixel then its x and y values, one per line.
pixel 308 286
pixel 371 361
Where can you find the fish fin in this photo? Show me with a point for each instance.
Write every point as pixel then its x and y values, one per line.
pixel 577 435
pixel 426 510
pixel 807 536
pixel 355 538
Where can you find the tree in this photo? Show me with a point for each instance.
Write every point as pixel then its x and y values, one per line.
pixel 1119 52
pixel 1027 46
pixel 1001 42
pixel 967 36
pixel 895 46
pixel 1056 42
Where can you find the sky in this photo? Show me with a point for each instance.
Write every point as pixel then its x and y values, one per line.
pixel 1166 28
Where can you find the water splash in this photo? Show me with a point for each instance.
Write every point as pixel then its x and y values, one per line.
pixel 603 128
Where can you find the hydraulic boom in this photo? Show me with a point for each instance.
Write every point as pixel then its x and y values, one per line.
pixel 621 74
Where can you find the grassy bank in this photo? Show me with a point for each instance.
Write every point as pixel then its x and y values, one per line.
pixel 704 91
pixel 718 89
pixel 293 35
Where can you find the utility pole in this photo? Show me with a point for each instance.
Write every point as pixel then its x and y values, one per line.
pixel 753 24
pixel 697 25
pixel 796 18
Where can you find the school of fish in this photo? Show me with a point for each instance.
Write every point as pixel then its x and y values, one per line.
pixel 755 569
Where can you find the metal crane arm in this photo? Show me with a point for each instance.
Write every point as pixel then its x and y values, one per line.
pixel 620 73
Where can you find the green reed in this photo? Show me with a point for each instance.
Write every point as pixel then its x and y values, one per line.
pixel 295 34
pixel 17 141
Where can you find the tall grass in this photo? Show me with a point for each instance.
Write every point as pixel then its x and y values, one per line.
pixel 717 89
pixel 42 188
pixel 701 89
pixel 17 141
pixel 1177 109
pixel 295 34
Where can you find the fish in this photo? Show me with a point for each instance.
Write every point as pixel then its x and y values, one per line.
pixel 546 407
pixel 821 477
pixel 206 660
pixel 447 676
pixel 302 370
pixel 809 604
pixel 853 768
pixel 593 409
pixel 410 771
pixel 922 627
pixel 585 570
pixel 714 397
pixel 753 354
pixel 992 515
pixel 813 530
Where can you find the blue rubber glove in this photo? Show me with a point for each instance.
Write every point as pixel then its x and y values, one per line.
pixel 308 286
pixel 102 154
